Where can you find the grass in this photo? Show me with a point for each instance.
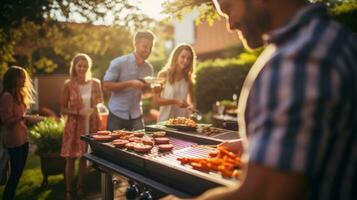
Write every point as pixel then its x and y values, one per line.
pixel 30 183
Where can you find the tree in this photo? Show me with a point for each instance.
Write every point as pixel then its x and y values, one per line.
pixel 15 15
pixel 49 48
pixel 178 8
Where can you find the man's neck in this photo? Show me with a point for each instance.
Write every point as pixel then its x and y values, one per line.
pixel 138 59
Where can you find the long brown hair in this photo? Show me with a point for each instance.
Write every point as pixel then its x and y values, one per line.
pixel 23 95
pixel 78 57
pixel 171 65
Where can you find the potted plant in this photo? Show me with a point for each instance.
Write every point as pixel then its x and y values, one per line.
pixel 47 136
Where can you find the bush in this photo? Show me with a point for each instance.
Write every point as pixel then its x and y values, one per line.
pixel 47 135
pixel 221 78
pixel 346 14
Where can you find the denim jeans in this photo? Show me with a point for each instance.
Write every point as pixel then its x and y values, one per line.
pixel 116 123
pixel 18 156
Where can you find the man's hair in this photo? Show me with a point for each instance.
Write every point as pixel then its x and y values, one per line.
pixel 144 34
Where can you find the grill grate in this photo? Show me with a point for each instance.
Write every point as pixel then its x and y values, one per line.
pixel 190 152
pixel 177 143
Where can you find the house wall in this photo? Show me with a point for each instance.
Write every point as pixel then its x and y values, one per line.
pixel 185 29
pixel 207 40
pixel 48 89
pixel 214 38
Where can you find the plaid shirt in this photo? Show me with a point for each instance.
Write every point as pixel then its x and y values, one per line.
pixel 301 113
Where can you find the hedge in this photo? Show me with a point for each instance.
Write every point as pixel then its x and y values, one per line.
pixel 219 79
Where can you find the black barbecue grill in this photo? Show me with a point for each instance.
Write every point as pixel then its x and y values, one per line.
pixel 163 167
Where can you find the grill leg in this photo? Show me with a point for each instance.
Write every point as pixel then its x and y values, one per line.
pixel 107 186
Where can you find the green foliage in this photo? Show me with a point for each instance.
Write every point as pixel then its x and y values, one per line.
pixel 6 53
pixel 344 11
pixel 47 135
pixel 49 47
pixel 16 15
pixel 178 8
pixel 228 103
pixel 346 14
pixel 221 78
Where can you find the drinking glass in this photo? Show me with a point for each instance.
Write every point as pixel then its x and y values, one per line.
pixel 220 108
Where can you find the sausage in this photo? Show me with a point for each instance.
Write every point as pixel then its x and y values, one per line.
pixel 199 166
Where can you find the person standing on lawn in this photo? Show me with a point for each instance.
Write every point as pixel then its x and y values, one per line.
pixel 80 96
pixel 124 79
pixel 297 105
pixel 16 97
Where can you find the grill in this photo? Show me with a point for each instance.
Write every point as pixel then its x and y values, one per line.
pixel 164 168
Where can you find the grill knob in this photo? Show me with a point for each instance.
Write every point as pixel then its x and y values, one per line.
pixel 145 196
pixel 132 191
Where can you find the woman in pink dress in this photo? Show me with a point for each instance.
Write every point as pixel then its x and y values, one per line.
pixel 80 96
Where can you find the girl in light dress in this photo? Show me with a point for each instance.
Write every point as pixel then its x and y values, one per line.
pixel 176 97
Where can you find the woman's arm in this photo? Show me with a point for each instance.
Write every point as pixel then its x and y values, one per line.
pixel 190 97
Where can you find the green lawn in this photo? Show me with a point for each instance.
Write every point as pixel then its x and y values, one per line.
pixel 30 183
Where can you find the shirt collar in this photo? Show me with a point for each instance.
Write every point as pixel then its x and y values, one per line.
pixel 133 59
pixel 300 18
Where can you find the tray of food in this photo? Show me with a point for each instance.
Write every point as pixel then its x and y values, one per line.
pixel 181 123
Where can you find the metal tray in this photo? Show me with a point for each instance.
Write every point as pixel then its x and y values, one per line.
pixel 222 135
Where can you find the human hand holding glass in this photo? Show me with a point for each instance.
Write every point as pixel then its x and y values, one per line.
pixel 220 108
pixel 156 87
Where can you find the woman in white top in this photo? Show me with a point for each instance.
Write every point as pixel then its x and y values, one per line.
pixel 176 98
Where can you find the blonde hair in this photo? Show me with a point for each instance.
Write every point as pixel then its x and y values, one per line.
pixel 171 64
pixel 78 57
pixel 23 95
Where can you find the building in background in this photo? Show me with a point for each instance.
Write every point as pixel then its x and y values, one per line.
pixel 209 41
pixel 48 93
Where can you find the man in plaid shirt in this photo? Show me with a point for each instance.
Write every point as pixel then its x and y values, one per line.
pixel 298 103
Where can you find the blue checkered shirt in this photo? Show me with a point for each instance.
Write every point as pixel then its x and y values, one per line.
pixel 301 113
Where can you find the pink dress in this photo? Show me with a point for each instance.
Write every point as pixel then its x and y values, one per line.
pixel 72 145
